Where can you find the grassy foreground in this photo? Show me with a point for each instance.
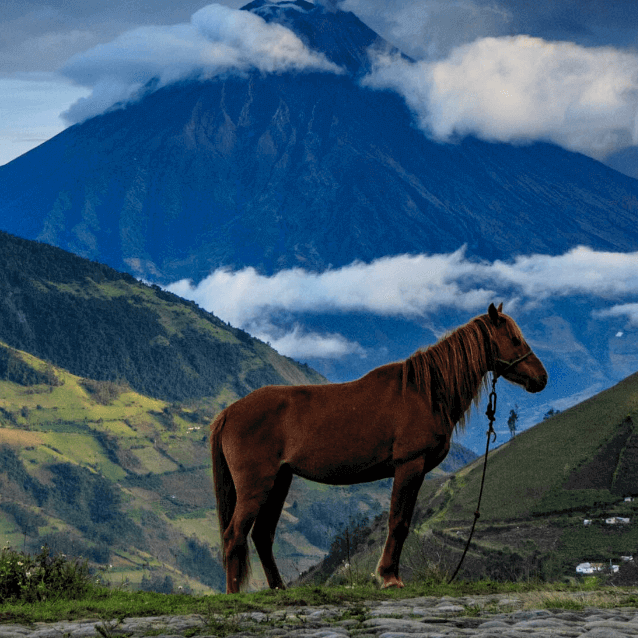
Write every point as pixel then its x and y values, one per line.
pixel 108 604
pixel 45 588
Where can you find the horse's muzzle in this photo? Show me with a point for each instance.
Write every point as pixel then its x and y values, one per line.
pixel 536 384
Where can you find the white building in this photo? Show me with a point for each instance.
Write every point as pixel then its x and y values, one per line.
pixel 592 568
pixel 617 520
pixel 589 568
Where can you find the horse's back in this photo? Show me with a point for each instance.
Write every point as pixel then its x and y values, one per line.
pixel 337 433
pixel 311 407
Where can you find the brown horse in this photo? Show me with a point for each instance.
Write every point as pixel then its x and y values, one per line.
pixel 395 421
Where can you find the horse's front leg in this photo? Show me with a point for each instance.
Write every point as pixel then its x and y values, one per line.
pixel 407 482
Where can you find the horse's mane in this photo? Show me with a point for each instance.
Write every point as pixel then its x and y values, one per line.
pixel 453 370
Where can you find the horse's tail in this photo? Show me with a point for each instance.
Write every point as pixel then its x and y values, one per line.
pixel 226 496
pixel 225 493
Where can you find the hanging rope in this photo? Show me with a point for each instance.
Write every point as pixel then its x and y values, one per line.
pixel 491 415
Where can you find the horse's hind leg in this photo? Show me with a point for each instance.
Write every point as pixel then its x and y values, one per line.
pixel 236 546
pixel 264 529
pixel 250 500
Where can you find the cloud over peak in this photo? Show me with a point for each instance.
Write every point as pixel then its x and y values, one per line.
pixel 505 88
pixel 217 39
pixel 520 88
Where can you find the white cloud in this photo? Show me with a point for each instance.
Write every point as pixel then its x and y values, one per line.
pixel 303 344
pixel 415 286
pixel 578 271
pixel 516 89
pixel 218 39
pixel 405 285
pixel 628 310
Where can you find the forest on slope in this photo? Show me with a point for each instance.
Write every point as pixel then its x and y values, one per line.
pixel 105 325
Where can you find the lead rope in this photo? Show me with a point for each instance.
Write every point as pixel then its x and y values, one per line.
pixel 490 412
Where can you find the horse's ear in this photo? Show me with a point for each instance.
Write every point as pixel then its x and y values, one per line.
pixel 500 307
pixel 493 312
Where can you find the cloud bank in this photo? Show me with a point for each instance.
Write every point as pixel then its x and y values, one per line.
pixel 411 286
pixel 517 89
pixel 217 40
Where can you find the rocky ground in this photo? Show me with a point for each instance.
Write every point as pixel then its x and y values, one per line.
pixel 489 616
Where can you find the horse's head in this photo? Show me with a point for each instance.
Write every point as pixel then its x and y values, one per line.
pixel 514 360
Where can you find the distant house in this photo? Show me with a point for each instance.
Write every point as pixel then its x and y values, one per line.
pixel 617 520
pixel 587 521
pixel 629 499
pixel 627 559
pixel 591 568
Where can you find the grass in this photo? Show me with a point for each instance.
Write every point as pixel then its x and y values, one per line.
pixel 48 588
pixel 32 579
pixel 110 604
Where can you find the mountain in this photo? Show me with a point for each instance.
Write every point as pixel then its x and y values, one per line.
pixel 540 488
pixel 318 170
pixel 102 324
pixel 305 169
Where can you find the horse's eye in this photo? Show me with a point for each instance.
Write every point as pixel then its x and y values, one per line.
pixel 516 341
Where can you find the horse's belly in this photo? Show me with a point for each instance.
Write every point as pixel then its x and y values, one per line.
pixel 346 474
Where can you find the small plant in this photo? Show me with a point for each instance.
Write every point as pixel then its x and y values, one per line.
pixel 106 629
pixel 30 579
pixel 425 559
pixel 473 611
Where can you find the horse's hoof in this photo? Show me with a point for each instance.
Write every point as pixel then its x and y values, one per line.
pixel 392 581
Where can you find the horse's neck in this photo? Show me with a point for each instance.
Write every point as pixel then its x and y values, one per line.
pixel 459 404
pixel 460 395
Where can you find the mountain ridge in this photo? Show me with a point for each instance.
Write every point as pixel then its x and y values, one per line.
pixel 103 324
pixel 92 467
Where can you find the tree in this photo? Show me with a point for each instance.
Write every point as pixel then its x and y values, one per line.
pixel 511 421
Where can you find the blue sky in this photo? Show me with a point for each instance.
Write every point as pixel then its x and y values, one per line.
pixel 39 38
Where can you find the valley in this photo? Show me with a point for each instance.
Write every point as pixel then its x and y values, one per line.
pixel 97 470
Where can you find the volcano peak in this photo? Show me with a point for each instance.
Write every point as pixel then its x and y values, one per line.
pixel 339 35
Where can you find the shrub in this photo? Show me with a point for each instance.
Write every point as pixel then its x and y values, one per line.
pixel 34 578
pixel 103 392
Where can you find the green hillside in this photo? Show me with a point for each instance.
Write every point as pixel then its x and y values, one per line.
pixel 95 469
pixel 540 488
pixel 105 325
